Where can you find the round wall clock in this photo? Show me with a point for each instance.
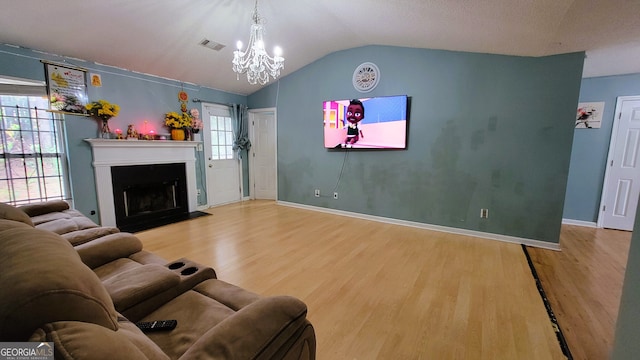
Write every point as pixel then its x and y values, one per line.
pixel 366 77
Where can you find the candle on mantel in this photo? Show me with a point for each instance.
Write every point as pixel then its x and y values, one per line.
pixel 119 134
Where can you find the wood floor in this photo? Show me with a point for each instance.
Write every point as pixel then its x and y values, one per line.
pixel 583 283
pixel 374 290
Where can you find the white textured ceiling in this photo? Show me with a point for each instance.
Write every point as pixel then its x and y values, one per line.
pixel 161 37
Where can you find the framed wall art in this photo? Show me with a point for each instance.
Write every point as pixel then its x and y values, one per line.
pixel 589 115
pixel 66 88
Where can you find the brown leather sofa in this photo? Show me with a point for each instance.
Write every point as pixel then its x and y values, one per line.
pixel 86 298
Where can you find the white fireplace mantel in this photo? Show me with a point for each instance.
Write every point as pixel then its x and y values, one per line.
pixel 108 153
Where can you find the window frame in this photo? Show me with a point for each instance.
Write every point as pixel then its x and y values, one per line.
pixel 220 113
pixel 25 133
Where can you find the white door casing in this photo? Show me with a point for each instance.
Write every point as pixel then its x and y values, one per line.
pixel 263 170
pixel 622 177
pixel 223 176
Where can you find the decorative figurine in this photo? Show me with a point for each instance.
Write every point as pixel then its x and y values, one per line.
pixel 132 134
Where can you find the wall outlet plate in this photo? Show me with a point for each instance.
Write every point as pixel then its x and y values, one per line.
pixel 317 193
pixel 335 195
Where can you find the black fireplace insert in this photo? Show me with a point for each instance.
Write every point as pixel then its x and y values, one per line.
pixel 147 196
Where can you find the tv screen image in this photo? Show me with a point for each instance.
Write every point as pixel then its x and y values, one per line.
pixel 366 123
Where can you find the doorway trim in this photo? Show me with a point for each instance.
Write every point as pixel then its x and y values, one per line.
pixel 612 144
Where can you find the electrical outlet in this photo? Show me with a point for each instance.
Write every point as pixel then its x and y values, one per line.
pixel 335 195
pixel 317 193
pixel 484 213
pixel 198 192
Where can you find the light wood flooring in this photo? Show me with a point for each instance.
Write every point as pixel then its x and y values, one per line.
pixel 583 283
pixel 374 290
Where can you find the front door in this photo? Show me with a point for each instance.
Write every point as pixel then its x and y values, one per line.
pixel 223 172
pixel 622 178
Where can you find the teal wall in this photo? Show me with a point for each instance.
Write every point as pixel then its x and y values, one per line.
pixel 626 344
pixel 591 146
pixel 141 97
pixel 485 131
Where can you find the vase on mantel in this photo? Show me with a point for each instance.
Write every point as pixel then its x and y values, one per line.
pixel 177 134
pixel 105 132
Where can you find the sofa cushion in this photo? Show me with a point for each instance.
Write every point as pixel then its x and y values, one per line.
pixel 43 280
pixel 257 331
pixel 79 340
pixel 9 212
pixel 44 207
pixel 67 224
pixel 85 235
pixel 209 329
pixel 135 286
pixel 65 214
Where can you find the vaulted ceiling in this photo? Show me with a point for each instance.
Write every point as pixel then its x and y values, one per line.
pixel 162 37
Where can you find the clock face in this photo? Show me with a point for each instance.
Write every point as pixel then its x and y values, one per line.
pixel 366 77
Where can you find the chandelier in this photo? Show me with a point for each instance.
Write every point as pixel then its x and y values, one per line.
pixel 255 61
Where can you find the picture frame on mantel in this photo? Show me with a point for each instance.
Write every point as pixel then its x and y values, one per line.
pixel 66 88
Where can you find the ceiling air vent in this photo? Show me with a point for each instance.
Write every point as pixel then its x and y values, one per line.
pixel 212 45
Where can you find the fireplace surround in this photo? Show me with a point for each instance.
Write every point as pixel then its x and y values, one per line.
pixel 108 153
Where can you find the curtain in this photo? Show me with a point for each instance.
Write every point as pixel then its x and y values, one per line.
pixel 240 123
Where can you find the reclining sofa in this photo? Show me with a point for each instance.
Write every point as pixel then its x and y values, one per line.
pixel 83 287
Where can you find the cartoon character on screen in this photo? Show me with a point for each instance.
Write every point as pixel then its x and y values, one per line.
pixel 355 114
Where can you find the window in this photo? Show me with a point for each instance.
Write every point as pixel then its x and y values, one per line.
pixel 33 164
pixel 221 133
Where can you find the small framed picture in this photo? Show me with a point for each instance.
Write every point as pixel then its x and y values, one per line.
pixel 589 115
pixel 96 80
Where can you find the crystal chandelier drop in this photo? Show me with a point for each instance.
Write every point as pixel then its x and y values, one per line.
pixel 255 61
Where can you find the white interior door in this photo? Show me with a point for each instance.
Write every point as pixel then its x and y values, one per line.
pixel 223 171
pixel 622 178
pixel 263 159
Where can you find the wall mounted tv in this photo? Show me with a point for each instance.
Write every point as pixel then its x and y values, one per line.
pixel 366 123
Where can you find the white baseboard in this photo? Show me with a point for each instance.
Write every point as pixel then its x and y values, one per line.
pixel 451 230
pixel 590 224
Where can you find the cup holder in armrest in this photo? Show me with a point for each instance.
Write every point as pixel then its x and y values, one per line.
pixel 176 265
pixel 188 271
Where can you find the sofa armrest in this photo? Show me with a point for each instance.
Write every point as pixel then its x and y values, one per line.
pixel 108 248
pixel 257 331
pixel 44 207
pixel 80 340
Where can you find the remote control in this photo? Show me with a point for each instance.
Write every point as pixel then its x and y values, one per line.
pixel 159 325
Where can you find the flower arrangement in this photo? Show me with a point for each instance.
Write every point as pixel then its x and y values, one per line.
pixel 102 109
pixel 174 120
pixel 196 124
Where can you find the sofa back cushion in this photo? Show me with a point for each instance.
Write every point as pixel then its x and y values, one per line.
pixel 43 280
pixel 9 212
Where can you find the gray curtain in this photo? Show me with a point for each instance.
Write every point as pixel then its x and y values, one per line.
pixel 240 122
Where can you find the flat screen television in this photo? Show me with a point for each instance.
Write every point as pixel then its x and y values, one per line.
pixel 366 123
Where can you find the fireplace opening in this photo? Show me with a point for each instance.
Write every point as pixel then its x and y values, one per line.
pixel 147 196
